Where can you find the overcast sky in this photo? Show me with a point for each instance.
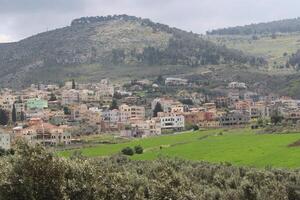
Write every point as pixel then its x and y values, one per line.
pixel 23 18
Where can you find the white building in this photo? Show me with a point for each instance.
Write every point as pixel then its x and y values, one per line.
pixel 172 122
pixel 237 85
pixel 112 116
pixel 176 81
pixel 5 141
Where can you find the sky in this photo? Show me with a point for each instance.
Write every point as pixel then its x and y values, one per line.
pixel 23 18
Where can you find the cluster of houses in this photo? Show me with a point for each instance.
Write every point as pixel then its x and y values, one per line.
pixel 53 115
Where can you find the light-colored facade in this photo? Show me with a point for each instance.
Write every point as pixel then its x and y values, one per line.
pixel 5 141
pixel 70 97
pixel 172 122
pixel 132 112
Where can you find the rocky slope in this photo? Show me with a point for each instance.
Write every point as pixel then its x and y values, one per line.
pixel 94 45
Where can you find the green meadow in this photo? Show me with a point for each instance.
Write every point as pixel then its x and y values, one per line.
pixel 239 147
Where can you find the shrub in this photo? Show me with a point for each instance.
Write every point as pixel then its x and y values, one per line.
pixel 138 149
pixel 128 151
pixel 195 127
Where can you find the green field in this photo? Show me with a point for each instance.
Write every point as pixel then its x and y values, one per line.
pixel 239 147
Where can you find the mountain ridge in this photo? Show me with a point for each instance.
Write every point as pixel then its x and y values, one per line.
pixel 272 27
pixel 118 40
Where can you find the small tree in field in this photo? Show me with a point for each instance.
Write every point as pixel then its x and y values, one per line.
pixel 128 151
pixel 138 149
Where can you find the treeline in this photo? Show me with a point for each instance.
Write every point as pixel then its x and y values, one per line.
pixel 281 26
pixel 34 173
pixel 186 50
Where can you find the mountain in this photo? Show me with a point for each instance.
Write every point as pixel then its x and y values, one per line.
pixel 94 47
pixel 280 26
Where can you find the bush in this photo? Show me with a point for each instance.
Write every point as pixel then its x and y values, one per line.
pixel 128 151
pixel 138 149
pixel 195 127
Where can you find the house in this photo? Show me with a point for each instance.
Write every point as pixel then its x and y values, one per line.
pixel 173 122
pixel 175 81
pixel 242 105
pixel 36 104
pixel 234 118
pixel 143 129
pixel 132 112
pixel 234 95
pixel 69 97
pixel 237 85
pixel 222 102
pixel 5 141
pixel 209 124
pixel 259 109
pixel 251 96
pixel 166 103
pixel 44 133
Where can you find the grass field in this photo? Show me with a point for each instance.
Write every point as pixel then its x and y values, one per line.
pixel 239 147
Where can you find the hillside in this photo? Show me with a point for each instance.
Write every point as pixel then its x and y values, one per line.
pixel 95 47
pixel 276 50
pixel 280 26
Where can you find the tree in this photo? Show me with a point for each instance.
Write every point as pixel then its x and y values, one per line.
pixel 276 118
pixel 160 80
pixel 22 117
pixel 128 151
pixel 3 117
pixel 67 111
pixel 138 149
pixel 52 97
pixel 113 105
pixel 157 109
pixel 73 84
pixel 195 127
pixel 14 114
pixel 260 122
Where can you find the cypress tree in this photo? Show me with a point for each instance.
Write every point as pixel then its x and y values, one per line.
pixel 14 114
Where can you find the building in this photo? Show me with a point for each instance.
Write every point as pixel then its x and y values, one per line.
pixel 143 129
pixel 176 81
pixel 166 103
pixel 5 141
pixel 222 102
pixel 252 96
pixel 172 122
pixel 36 104
pixel 237 85
pixel 44 133
pixel 70 97
pixel 234 118
pixel 234 95
pixel 132 112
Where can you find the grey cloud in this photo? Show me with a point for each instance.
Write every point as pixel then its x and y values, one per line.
pixel 22 18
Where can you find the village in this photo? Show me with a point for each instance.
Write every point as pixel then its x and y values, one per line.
pixel 55 115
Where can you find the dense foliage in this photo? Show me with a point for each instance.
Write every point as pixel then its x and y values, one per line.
pixel 33 173
pixel 281 26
